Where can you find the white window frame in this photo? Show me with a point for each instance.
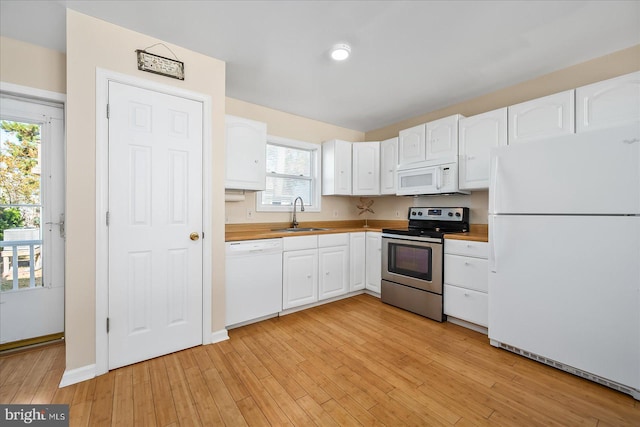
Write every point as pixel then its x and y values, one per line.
pixel 316 190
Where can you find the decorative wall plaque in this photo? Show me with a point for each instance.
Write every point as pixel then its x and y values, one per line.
pixel 160 65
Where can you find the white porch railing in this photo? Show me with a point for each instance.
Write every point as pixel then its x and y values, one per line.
pixel 15 250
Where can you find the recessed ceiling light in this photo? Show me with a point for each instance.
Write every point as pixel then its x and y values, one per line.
pixel 340 51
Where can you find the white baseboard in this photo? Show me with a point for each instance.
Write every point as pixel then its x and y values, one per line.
pixel 77 375
pixel 218 336
pixel 468 325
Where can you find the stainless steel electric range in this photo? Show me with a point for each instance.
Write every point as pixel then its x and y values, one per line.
pixel 413 260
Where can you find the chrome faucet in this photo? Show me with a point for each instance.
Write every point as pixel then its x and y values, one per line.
pixel 294 224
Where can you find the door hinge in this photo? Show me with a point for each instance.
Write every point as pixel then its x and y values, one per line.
pixel 107 325
pixel 107 218
pixel 108 111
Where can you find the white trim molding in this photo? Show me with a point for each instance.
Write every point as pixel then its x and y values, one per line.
pixel 103 77
pixel 219 336
pixel 78 375
pixel 31 92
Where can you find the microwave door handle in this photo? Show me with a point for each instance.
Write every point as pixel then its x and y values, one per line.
pixel 438 172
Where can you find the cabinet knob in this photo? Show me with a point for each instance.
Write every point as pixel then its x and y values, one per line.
pixel 466 294
pixel 309 276
pixel 327 273
pixel 256 161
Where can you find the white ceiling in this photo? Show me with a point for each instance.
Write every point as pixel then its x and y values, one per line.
pixel 408 57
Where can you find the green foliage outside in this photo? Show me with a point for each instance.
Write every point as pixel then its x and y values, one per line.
pixel 18 182
pixel 10 218
pixel 19 179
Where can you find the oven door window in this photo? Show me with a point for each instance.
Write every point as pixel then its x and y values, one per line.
pixel 410 260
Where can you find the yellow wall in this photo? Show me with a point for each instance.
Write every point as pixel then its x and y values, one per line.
pixel 615 64
pixel 606 67
pixel 294 127
pixel 32 66
pixel 92 43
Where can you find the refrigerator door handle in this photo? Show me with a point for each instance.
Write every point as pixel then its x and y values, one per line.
pixel 494 186
pixel 493 262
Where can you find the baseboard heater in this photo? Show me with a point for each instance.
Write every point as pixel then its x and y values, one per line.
pixel 570 369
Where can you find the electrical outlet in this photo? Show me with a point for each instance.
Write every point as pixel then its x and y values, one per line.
pixel 335 214
pixel 249 214
pixel 397 214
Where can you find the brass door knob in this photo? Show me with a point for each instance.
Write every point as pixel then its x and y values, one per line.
pixel 194 236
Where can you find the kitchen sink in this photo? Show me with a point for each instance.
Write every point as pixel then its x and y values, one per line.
pixel 293 230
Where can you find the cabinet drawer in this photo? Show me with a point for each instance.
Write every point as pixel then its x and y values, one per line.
pixel 466 304
pixel 336 239
pixel 467 248
pixel 467 272
pixel 299 242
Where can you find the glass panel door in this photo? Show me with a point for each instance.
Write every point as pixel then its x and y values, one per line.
pixel 31 221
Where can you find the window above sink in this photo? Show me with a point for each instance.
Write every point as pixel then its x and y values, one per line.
pixel 292 170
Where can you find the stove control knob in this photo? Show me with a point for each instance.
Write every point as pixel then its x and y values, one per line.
pixel 413 213
pixel 450 213
pixel 420 213
pixel 458 214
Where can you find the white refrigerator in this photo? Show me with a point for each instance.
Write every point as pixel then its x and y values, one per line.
pixel 564 262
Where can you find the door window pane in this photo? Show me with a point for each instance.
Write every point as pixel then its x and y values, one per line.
pixel 20 205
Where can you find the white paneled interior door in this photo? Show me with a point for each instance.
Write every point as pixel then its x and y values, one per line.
pixel 155 224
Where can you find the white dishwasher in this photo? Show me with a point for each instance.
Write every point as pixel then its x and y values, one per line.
pixel 253 280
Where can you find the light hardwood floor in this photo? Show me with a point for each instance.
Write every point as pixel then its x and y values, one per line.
pixel 352 362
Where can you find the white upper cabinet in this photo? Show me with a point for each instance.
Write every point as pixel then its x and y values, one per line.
pixel 442 139
pixel 544 117
pixel 388 162
pixel 608 103
pixel 411 145
pixel 434 142
pixel 246 142
pixel 336 167
pixel 366 168
pixel 478 134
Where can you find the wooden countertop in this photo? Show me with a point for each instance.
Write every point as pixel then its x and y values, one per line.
pixel 478 233
pixel 251 231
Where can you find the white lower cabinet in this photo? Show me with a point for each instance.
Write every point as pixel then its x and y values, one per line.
pixel 333 265
pixel 373 274
pixel 316 268
pixel 299 271
pixel 466 281
pixel 357 261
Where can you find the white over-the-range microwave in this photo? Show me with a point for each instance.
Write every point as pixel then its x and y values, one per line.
pixel 416 179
